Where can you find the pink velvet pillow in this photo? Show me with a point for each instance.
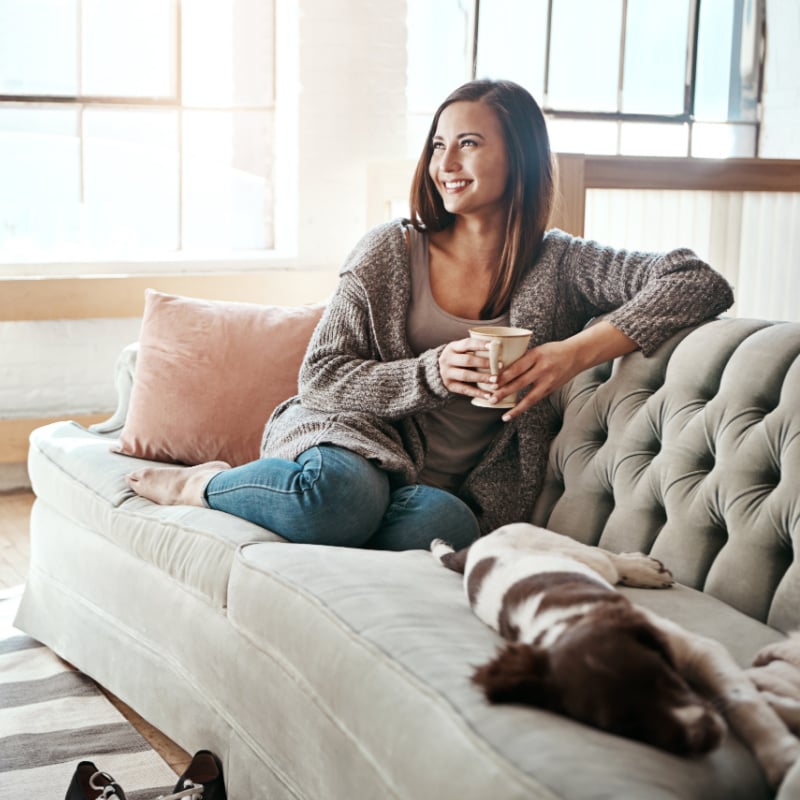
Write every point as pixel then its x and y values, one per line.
pixel 208 376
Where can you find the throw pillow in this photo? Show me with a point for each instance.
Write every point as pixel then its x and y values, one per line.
pixel 208 376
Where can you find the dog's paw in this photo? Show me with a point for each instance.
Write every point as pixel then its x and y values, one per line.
pixel 642 571
pixel 787 708
pixel 440 548
pixel 786 650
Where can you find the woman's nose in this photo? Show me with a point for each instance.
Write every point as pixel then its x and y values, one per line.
pixel 450 162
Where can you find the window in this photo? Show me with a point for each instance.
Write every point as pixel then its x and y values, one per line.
pixel 440 56
pixel 632 77
pixel 132 129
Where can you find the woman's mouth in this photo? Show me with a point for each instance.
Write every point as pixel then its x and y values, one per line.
pixel 456 186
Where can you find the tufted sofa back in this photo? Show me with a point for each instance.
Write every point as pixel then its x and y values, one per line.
pixel 693 455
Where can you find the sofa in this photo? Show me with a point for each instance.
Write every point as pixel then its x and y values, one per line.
pixel 327 673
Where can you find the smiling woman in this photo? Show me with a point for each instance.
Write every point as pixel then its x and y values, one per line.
pixel 383 421
pixel 469 164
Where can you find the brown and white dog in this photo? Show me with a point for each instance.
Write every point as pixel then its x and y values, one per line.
pixel 580 648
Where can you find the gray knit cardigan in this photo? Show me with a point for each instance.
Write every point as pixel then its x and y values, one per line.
pixel 361 387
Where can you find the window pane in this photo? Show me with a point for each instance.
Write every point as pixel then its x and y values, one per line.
pixel 582 136
pixel 513 50
pixel 227 179
pixel 38 47
pixel 655 57
pixel 438 61
pixel 727 68
pixel 652 139
pixel 748 76
pixel 227 52
pixel 723 141
pixel 584 55
pixel 131 179
pixel 129 48
pixel 40 189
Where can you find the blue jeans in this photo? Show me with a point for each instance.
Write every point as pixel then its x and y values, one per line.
pixel 330 495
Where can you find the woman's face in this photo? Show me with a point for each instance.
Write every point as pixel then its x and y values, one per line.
pixel 469 164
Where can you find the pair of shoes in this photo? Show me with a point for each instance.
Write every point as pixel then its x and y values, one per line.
pixel 202 779
pixel 89 783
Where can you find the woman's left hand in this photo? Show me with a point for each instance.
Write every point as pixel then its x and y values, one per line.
pixel 549 366
pixel 544 369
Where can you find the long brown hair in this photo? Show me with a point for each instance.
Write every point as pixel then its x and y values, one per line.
pixel 530 182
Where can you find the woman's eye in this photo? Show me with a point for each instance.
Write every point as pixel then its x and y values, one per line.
pixel 438 145
pixel 468 143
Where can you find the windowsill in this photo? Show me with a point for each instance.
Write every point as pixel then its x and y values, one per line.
pixel 101 296
pixel 181 263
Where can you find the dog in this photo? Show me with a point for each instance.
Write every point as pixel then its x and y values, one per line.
pixel 578 647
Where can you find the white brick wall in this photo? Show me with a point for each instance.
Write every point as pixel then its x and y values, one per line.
pixel 60 367
pixel 352 109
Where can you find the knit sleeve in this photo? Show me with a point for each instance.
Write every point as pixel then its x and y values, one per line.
pixel 345 371
pixel 648 296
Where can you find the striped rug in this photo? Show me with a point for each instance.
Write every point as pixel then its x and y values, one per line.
pixel 52 717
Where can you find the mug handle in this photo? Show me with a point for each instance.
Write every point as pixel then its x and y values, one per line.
pixel 494 346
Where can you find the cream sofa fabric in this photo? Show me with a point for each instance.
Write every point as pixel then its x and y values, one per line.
pixel 329 673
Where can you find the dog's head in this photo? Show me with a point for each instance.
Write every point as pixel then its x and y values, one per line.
pixel 615 673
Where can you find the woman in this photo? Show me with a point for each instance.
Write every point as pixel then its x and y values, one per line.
pixel 382 447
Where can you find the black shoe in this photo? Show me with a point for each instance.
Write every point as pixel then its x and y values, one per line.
pixel 89 783
pixel 204 776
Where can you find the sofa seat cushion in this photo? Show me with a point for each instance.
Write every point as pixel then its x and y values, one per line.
pixel 73 471
pixel 385 643
pixel 701 613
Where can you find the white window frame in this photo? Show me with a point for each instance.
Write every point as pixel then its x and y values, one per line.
pixel 687 116
pixel 283 254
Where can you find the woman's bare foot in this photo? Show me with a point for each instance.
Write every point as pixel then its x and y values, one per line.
pixel 175 486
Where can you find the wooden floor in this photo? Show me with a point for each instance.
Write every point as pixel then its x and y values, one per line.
pixel 15 510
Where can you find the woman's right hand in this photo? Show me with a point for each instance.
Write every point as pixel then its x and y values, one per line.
pixel 459 363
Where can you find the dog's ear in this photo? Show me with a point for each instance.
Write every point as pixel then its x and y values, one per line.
pixel 520 673
pixel 649 636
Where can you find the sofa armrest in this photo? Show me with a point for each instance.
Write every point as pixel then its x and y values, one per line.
pixel 124 371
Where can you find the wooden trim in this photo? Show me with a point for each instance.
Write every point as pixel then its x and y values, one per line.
pixel 577 173
pixel 569 208
pixel 14 434
pixel 710 174
pixel 100 297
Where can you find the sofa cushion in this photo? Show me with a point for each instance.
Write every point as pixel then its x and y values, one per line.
pixel 208 376
pixel 385 644
pixel 73 472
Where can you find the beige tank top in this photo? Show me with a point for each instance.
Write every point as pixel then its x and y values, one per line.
pixel 458 433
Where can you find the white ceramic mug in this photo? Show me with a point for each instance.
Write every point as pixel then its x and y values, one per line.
pixel 505 346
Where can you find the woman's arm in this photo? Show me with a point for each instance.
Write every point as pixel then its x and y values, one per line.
pixel 344 371
pixel 643 298
pixel 647 296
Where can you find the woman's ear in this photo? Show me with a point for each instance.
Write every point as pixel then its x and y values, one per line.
pixel 520 673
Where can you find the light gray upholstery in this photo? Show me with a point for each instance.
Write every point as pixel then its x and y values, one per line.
pixel 329 673
pixel 692 455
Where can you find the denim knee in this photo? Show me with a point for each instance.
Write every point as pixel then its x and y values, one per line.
pixel 418 514
pixel 328 495
pixel 345 502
